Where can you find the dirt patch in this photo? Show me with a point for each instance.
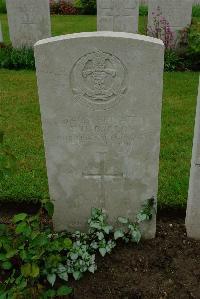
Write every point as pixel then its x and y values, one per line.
pixel 166 267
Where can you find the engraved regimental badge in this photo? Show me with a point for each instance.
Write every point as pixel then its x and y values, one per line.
pixel 98 80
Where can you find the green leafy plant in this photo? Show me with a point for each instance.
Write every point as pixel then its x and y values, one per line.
pixel 172 60
pixel 30 255
pixel 3 6
pixel 143 10
pixel 196 11
pixel 11 58
pixel 35 261
pixel 100 231
pixel 87 7
pixel 131 230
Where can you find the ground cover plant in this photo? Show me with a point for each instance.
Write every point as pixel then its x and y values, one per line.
pixel 186 59
pixel 33 258
pixel 20 108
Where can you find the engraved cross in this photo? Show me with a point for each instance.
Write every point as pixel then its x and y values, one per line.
pixel 102 175
pixel 118 8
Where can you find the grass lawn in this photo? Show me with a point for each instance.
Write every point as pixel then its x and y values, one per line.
pixel 21 121
pixel 69 24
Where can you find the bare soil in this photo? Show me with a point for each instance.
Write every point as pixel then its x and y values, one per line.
pixel 166 267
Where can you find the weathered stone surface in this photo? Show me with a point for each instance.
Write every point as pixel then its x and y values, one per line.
pixel 100 96
pixel 117 15
pixel 1 34
pixel 193 206
pixel 177 12
pixel 29 21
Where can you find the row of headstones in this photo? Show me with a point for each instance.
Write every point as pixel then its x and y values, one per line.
pixel 29 21
pixel 101 96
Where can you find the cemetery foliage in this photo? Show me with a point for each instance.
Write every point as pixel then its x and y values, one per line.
pixel 36 261
pixel 12 58
pixel 63 8
pixel 2 6
pixel 182 51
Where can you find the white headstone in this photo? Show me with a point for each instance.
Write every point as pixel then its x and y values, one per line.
pixel 193 206
pixel 100 96
pixel 29 21
pixel 1 34
pixel 178 13
pixel 118 15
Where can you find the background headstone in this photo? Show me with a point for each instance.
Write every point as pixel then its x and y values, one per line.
pixel 29 21
pixel 177 12
pixel 100 96
pixel 193 206
pixel 1 34
pixel 118 15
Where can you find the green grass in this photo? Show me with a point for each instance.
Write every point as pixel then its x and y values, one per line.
pixel 69 24
pixel 21 123
pixel 179 105
pixel 20 108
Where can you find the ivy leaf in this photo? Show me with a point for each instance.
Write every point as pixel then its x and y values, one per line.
pixel 49 207
pixel 123 220
pixel 51 277
pixel 6 265
pixel 50 294
pixel 19 217
pixel 23 228
pixel 100 236
pixel 30 270
pixel 35 271
pixel 74 256
pixel 142 217
pixel 102 251
pixel 92 269
pixel 64 290
pixel 62 272
pixel 136 235
pixel 3 257
pixel 118 234
pixel 107 229
pixel 68 243
pixel 77 275
pixel 26 270
pixel 11 253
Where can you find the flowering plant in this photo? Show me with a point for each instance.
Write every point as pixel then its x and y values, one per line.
pixel 161 29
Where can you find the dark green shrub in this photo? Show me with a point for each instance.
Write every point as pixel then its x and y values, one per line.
pixel 196 11
pixel 172 60
pixel 16 59
pixel 194 41
pixel 86 7
pixel 143 10
pixel 3 6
